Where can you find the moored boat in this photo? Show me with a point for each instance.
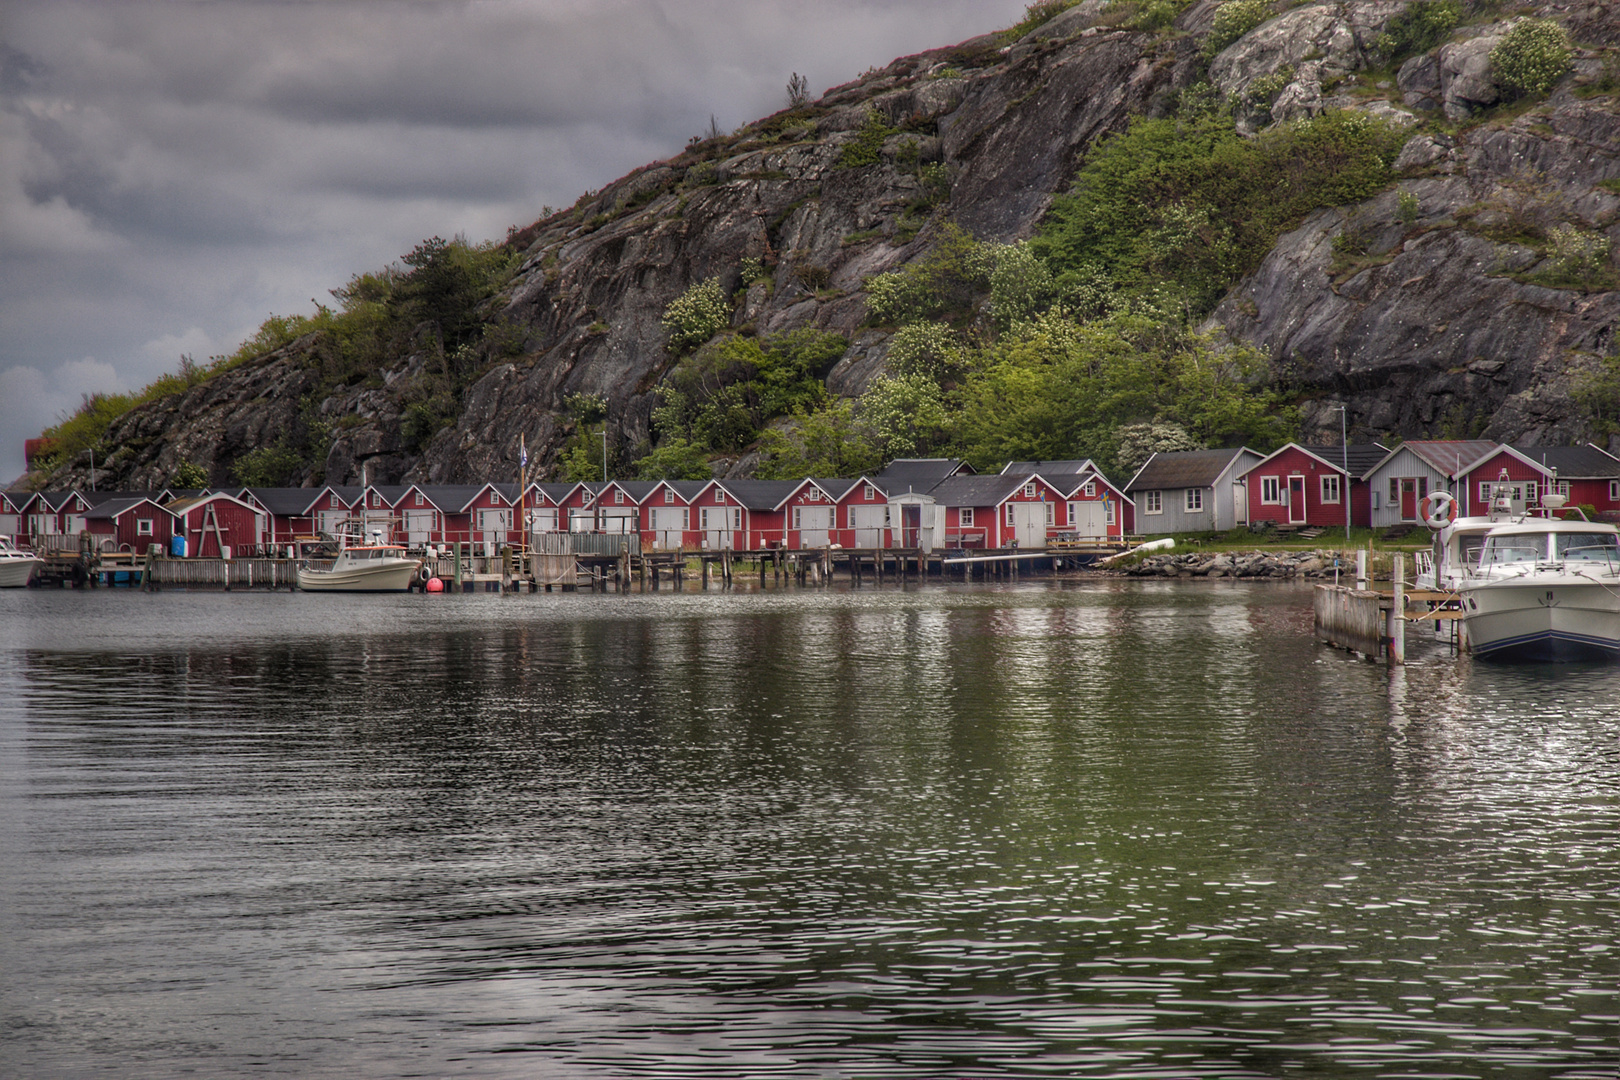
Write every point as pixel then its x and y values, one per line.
pixel 16 566
pixel 360 567
pixel 1545 590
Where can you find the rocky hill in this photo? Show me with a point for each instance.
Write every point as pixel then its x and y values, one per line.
pixel 1454 301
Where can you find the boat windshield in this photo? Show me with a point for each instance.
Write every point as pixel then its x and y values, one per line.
pixel 1595 547
pixel 1513 548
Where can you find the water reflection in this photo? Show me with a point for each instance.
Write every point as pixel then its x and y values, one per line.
pixel 1114 830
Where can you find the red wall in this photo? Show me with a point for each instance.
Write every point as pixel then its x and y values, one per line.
pixel 1296 462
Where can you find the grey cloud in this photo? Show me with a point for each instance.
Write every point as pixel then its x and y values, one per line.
pixel 178 171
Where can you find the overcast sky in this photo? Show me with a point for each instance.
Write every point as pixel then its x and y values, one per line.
pixel 172 173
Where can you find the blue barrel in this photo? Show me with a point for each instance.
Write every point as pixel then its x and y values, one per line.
pixel 177 547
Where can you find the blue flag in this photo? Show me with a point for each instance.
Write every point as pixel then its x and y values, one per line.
pixel 523 454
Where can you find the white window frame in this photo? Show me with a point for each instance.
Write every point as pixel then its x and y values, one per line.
pixel 1271 491
pixel 964 516
pixel 618 496
pixel 669 496
pixel 1010 521
pixel 1152 502
pixel 871 493
pixel 1614 490
pixel 1029 490
pixel 719 497
pixel 1051 514
pixel 798 517
pixel 419 499
pixel 1193 500
pixel 1108 508
pixel 143 526
pixel 1090 490
pixel 1326 481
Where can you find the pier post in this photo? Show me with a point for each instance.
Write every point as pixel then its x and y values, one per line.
pixel 1397 611
pixel 1361 568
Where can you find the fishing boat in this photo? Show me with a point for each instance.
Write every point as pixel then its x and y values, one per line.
pixel 1544 589
pixel 16 565
pixel 358 566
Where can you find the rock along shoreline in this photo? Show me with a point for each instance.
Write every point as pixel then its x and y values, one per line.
pixel 1243 565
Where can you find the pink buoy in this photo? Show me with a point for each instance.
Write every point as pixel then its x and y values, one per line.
pixel 434 585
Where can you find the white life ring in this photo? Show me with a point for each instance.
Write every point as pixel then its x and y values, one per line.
pixel 1438 509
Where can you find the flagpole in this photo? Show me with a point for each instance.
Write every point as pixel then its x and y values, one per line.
pixel 523 487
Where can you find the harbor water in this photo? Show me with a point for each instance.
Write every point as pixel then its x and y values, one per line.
pixel 1060 828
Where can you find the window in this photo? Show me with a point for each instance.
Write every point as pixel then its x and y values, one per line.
pixel 1195 500
pixel 965 516
pixel 1029 490
pixel 1090 490
pixel 618 496
pixel 669 495
pixel 1330 489
pixel 798 517
pixel 419 499
pixel 1394 490
pixel 1271 491
pixel 871 493
pixel 1614 489
pixel 1152 502
pixel 814 495
pixel 719 496
pixel 1108 507
pixel 1010 520
pixel 143 526
pixel 1050 508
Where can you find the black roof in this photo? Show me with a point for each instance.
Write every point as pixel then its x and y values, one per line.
pixel 1574 462
pixel 1183 469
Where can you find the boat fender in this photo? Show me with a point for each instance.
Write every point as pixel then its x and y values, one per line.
pixel 423 573
pixel 434 585
pixel 1438 509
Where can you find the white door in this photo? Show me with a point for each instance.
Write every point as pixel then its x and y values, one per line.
pixel 718 524
pixel 492 527
pixel 1029 524
pixel 329 521
pixel 668 523
pixel 813 524
pixel 1240 503
pixel 75 524
pixel 618 519
pixel 868 523
pixel 1088 519
pixel 9 523
pixel 418 527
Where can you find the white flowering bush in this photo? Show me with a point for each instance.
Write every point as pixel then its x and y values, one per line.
pixel 1531 59
pixel 697 315
pixel 1233 19
pixel 924 348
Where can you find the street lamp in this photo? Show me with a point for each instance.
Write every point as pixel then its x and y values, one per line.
pixel 1344 454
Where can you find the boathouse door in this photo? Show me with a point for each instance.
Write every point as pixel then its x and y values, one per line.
pixel 668 522
pixel 719 524
pixel 418 527
pixel 1409 498
pixel 1089 519
pixel 493 526
pixel 1029 523
pixel 1297 508
pixel 868 522
pixel 814 524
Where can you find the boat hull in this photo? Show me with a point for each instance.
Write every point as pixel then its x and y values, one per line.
pixel 1543 620
pixel 15 573
pixel 380 576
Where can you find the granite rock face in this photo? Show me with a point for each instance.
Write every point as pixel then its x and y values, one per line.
pixel 1441 322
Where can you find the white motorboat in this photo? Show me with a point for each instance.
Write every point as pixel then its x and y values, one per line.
pixel 16 566
pixel 1544 590
pixel 360 566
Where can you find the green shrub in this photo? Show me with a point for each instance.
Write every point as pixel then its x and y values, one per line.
pixel 1579 256
pixel 1418 29
pixel 1037 14
pixel 675 459
pixel 696 315
pixel 268 466
pixel 831 441
pixel 866 148
pixel 1232 20
pixel 1193 205
pixel 944 280
pixel 1531 59
pixel 189 476
pixel 907 414
pixel 925 348
pixel 1020 286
